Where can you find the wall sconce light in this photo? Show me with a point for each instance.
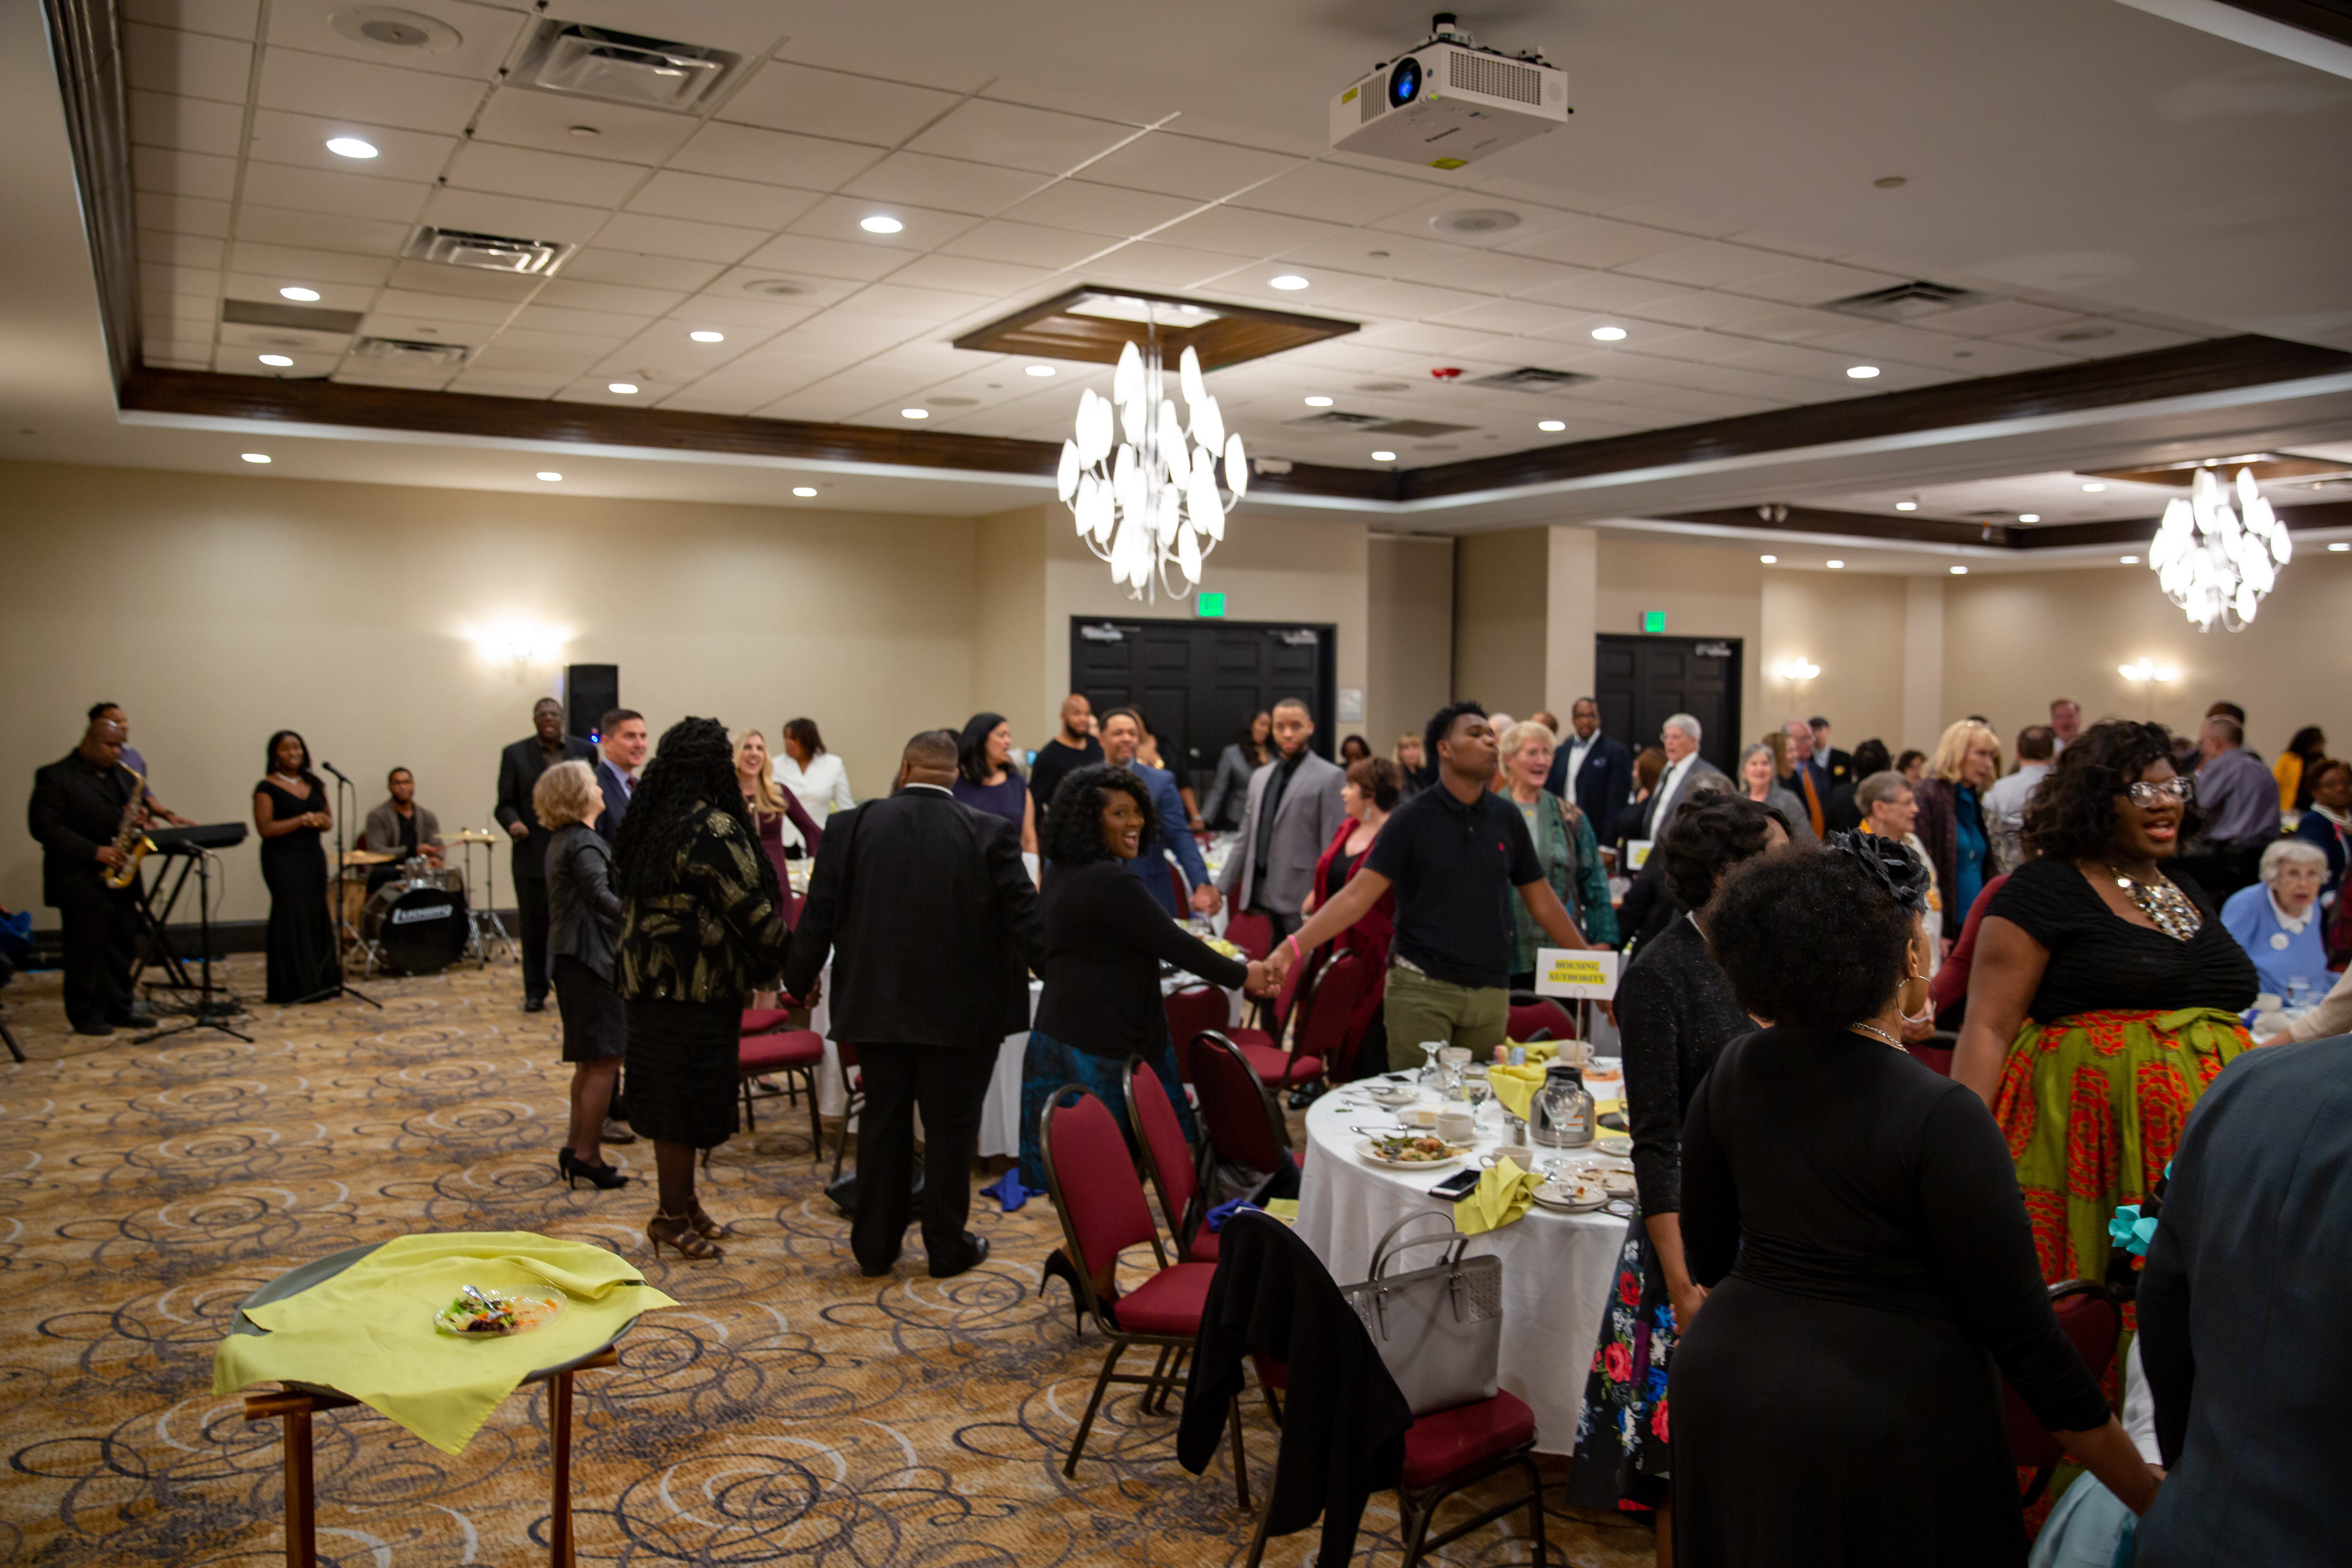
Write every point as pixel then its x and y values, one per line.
pixel 517 642
pixel 2146 670
pixel 1797 668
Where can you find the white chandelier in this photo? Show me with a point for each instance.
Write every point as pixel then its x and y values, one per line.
pixel 2211 563
pixel 1151 500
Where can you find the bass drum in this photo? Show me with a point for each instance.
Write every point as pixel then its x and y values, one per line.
pixel 416 931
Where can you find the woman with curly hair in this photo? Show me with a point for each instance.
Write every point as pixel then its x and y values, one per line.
pixel 702 926
pixel 1105 942
pixel 1856 1221
pixel 2104 995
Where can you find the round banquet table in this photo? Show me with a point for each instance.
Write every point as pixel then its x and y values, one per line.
pixel 1558 1268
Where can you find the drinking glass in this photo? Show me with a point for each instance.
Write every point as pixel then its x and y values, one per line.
pixel 1429 1050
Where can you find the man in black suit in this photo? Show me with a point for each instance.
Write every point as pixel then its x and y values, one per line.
pixel 1590 769
pixel 1839 764
pixel 621 749
pixel 76 812
pixel 932 923
pixel 520 766
pixel 2242 1316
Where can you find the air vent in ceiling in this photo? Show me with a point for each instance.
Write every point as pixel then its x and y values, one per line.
pixel 407 352
pixel 1530 378
pixel 1907 301
pixel 623 67
pixel 1476 220
pixel 1338 418
pixel 492 252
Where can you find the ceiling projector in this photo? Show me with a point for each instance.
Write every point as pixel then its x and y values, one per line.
pixel 1448 102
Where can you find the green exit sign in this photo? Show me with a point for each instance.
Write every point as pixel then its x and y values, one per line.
pixel 1209 607
pixel 1654 620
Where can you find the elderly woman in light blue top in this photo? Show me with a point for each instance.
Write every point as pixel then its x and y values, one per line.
pixel 2277 922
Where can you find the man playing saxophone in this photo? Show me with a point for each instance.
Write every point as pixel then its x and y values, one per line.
pixel 83 807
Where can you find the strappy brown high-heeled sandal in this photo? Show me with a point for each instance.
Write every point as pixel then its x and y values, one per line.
pixel 678 1230
pixel 700 1218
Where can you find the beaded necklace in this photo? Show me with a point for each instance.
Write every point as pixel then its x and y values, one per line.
pixel 2172 912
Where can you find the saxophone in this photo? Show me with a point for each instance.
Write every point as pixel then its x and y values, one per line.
pixel 130 838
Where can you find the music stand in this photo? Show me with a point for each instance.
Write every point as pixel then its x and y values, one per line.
pixel 204 1013
pixel 340 988
pixel 482 920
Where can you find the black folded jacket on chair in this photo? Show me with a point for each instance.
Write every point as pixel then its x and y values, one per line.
pixel 1344 1419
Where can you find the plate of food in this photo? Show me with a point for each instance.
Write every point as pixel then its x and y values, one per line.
pixel 478 1314
pixel 1410 1150
pixel 1613 1143
pixel 1570 1196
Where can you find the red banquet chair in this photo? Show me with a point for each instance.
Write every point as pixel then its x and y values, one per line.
pixel 1239 1121
pixel 1250 930
pixel 1168 1159
pixel 1327 1034
pixel 1100 1200
pixel 1198 1010
pixel 853 1088
pixel 764 1046
pixel 1540 1015
pixel 2087 1310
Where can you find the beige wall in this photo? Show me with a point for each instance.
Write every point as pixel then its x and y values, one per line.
pixel 1410 592
pixel 1501 618
pixel 1705 589
pixel 220 609
pixel 1851 625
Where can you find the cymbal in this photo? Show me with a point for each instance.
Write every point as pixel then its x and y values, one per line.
pixel 468 835
pixel 365 858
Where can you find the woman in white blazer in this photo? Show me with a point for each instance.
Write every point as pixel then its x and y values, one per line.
pixel 812 774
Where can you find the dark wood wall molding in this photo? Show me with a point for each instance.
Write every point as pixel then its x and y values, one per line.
pixel 2328 18
pixel 85 46
pixel 2319 515
pixel 1866 525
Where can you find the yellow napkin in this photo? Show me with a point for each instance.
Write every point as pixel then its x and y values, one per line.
pixel 1515 1087
pixel 1503 1193
pixel 1284 1209
pixel 1540 1052
pixel 368 1332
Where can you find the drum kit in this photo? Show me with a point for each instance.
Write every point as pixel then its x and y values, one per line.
pixel 419 922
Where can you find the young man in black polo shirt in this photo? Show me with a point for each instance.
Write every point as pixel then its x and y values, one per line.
pixel 1454 855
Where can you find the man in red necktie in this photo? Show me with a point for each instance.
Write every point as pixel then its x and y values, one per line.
pixel 1807 778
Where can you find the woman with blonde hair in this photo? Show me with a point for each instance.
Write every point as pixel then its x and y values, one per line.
pixel 1566 847
pixel 769 805
pixel 583 921
pixel 1951 821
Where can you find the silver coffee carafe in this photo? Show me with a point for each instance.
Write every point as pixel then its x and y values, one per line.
pixel 1560 1116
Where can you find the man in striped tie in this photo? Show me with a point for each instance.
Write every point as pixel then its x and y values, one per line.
pixel 1808 779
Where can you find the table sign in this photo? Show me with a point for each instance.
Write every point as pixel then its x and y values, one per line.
pixel 1637 853
pixel 1590 973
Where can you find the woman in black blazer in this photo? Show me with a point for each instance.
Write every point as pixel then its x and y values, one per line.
pixel 583 918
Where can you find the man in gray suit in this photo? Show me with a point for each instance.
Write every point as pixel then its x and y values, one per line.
pixel 1293 809
pixel 1680 737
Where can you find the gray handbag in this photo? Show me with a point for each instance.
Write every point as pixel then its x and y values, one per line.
pixel 1439 1329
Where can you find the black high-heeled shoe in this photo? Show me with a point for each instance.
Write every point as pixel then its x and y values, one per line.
pixel 1059 1266
pixel 600 1176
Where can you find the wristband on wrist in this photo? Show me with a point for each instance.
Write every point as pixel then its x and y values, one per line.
pixel 1291 942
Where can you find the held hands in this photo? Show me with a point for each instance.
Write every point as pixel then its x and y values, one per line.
pixel 1206 900
pixel 1262 981
pixel 1278 962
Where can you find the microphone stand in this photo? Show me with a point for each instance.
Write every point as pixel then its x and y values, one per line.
pixel 339 988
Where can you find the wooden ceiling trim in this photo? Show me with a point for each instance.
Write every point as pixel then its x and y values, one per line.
pixel 1053 330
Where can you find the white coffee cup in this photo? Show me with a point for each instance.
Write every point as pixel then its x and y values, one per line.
pixel 1455 1124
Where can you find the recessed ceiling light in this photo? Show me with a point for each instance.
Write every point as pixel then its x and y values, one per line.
pixel 708 337
pixel 1960 571
pixel 1287 280
pixel 1383 457
pixel 914 414
pixel 1608 334
pixel 1862 371
pixel 2092 490
pixel 1834 565
pixel 1907 506
pixel 1770 559
pixel 350 147
pixel 550 475
pixel 2339 549
pixel 1038 370
pixel 623 387
pixel 296 291
pixel 1319 402
pixel 803 491
pixel 881 224
pixel 586 133
pixel 279 359
pixel 1551 424
pixel 2029 517
pixel 256 457
pixel 2134 560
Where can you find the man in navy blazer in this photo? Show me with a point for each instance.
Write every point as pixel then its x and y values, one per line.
pixel 621 745
pixel 1122 736
pixel 1590 768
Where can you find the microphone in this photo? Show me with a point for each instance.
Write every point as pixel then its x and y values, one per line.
pixel 334 769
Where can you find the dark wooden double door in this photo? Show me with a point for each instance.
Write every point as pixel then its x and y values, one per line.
pixel 1641 681
pixel 1199 681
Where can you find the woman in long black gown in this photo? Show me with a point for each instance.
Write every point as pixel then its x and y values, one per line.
pixel 1857 1222
pixel 289 811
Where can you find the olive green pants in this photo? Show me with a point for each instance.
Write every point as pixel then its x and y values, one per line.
pixel 1419 1009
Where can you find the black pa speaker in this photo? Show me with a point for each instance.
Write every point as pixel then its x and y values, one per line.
pixel 590 691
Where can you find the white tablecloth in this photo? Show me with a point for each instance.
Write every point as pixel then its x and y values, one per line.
pixel 1558 1268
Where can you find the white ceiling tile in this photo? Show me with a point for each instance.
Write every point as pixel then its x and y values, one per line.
pixel 1101 209
pixel 538 318
pixel 663 349
pixel 1337 195
pixel 1792 326
pixel 175 356
pixel 182 214
pixel 1660 218
pixel 184 173
pixel 229 361
pixel 950 184
pixel 174 281
pixel 518 117
pixel 193 64
pixel 1515 316
pixel 181 249
pixel 744 311
pixel 316 231
pixel 672 193
pixel 437 307
pixel 1814 283
pixel 1415 301
pixel 485 35
pixel 748 28
pixel 518 217
pixel 1237 231
pixel 197 124
pixel 359 95
pixel 1019 138
pixel 597 264
pixel 574 293
pixel 793 253
pixel 948 70
pixel 921 229
pixel 502 358
pixel 1791 359
pixel 1702 347
pixel 773 157
pixel 1420 219
pixel 544 176
pixel 1488 271
pixel 1187 166
pixel 189 315
pixel 964 275
pixel 1710 265
pixel 1597 242
pixel 264 286
pixel 1352 251
pixel 1702 309
pixel 1886 340
pixel 1602 291
pixel 1997 318
pixel 834 333
pixel 224 19
pixel 675 237
pixel 1254 281
pixel 813 292
pixel 824 402
pixel 377 373
pixel 2124 339
pixel 332 193
pixel 301 139
pixel 1147 264
pixel 517 338
pixel 427 329
pixel 495 381
pixel 1027 244
pixel 782 96
pixel 282 340
pixel 895 298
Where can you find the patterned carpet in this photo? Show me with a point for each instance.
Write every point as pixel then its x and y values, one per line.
pixel 789 1411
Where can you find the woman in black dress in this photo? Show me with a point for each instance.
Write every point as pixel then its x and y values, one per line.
pixel 584 917
pixel 702 926
pixel 1675 1012
pixel 289 812
pixel 1857 1220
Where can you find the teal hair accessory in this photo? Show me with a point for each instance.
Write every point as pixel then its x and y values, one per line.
pixel 2131 1230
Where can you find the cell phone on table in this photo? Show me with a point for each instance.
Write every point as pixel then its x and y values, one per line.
pixel 1458 1186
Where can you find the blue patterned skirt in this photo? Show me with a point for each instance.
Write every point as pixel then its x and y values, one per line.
pixel 1049 1064
pixel 1623 1451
